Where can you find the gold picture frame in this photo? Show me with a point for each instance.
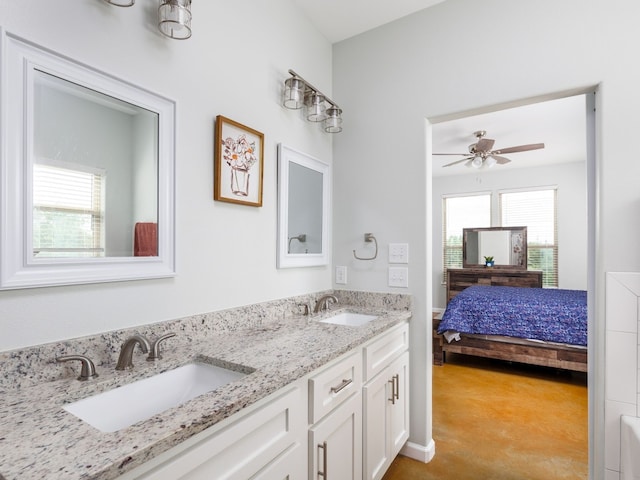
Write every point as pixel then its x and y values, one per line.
pixel 238 163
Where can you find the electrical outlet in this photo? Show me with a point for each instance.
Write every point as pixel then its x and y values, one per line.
pixel 399 277
pixel 398 253
pixel 341 275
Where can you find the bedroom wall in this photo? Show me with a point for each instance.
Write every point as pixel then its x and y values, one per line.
pixel 234 65
pixel 571 181
pixel 392 80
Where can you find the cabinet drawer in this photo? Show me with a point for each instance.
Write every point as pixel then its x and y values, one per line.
pixel 379 353
pixel 334 385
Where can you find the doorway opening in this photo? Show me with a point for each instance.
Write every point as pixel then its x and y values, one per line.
pixel 514 124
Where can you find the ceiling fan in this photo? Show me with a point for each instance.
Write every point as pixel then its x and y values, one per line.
pixel 480 153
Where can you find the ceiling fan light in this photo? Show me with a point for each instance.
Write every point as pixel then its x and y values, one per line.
pixel 121 3
pixel 491 162
pixel 476 162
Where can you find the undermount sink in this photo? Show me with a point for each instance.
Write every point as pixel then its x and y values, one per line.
pixel 349 319
pixel 123 406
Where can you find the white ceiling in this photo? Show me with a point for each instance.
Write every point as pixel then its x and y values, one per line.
pixel 559 124
pixel 342 19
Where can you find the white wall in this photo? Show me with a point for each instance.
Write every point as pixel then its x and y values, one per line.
pixel 464 55
pixel 234 65
pixel 571 181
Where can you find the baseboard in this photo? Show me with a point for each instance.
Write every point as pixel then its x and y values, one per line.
pixel 419 452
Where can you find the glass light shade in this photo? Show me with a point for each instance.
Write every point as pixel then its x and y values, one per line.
pixel 174 18
pixel 333 122
pixel 293 93
pixel 491 162
pixel 121 3
pixel 477 162
pixel 316 107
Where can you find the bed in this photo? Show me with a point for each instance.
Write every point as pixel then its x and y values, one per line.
pixel 546 327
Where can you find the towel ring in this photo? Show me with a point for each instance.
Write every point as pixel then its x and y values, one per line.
pixel 368 237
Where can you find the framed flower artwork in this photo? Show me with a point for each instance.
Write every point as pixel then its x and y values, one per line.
pixel 238 163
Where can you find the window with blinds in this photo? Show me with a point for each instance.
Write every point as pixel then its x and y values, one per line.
pixel 535 209
pixel 68 206
pixel 458 212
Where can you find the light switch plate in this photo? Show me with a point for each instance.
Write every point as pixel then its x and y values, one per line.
pixel 399 277
pixel 398 253
pixel 341 275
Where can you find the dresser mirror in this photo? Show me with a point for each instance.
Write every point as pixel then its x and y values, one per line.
pixel 507 246
pixel 303 209
pixel 87 174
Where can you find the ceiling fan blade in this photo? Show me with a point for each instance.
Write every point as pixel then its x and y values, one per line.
pixel 521 148
pixel 465 154
pixel 457 161
pixel 484 144
pixel 500 160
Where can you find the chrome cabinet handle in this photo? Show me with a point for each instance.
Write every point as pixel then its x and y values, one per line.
pixel 344 384
pixel 323 473
pixel 393 390
pixel 396 378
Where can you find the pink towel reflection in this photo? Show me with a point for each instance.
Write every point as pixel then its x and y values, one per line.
pixel 145 240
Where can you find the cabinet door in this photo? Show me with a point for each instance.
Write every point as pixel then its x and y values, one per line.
pixel 386 417
pixel 335 443
pixel 376 397
pixel 399 408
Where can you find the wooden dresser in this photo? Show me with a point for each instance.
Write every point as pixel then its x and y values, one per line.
pixel 460 278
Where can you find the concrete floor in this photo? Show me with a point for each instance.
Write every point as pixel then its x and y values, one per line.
pixel 500 421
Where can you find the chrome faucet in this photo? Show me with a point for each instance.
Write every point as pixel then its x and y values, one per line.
pixel 154 353
pixel 88 369
pixel 323 302
pixel 125 360
pixel 306 308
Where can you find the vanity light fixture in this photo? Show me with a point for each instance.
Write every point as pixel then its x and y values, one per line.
pixel 174 16
pixel 299 92
pixel 314 102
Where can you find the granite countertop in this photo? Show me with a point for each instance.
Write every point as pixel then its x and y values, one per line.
pixel 38 439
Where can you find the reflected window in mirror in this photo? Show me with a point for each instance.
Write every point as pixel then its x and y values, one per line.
pixel 303 209
pixel 88 174
pixel 75 126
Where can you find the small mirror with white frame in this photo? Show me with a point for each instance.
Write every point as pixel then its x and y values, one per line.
pixel 87 174
pixel 303 209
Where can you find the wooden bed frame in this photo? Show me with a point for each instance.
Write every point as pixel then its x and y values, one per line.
pixel 501 348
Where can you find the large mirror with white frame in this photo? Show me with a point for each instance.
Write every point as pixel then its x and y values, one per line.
pixel 303 209
pixel 87 174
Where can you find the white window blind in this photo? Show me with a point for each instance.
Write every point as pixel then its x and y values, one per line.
pixel 68 219
pixel 537 210
pixel 458 212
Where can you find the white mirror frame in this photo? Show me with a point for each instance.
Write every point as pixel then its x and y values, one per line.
pixel 18 267
pixel 286 156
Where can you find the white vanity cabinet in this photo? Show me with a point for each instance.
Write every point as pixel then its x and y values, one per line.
pixel 266 442
pixel 335 412
pixel 385 401
pixel 345 421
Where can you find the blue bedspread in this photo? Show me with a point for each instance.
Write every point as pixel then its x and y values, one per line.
pixel 533 313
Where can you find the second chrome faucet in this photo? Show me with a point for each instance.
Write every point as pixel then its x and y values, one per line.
pixel 125 360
